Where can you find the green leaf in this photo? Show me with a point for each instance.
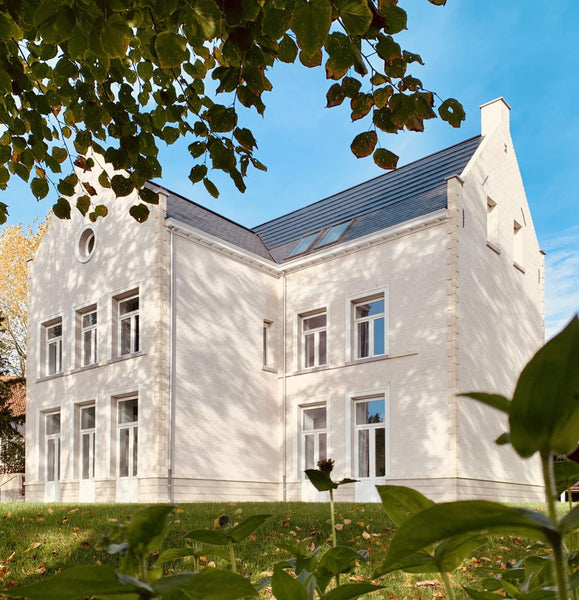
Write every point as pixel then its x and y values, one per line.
pixel 83 204
pixel 245 138
pixel 438 2
pixel 451 111
pixel 122 186
pixel 198 172
pixel 115 36
pixel 340 559
pixel 3 213
pixel 544 413
pixel 346 480
pixel 350 590
pixel 221 119
pixel 382 118
pixel 382 95
pixel 450 554
pixel 340 55
pixel 419 562
pixel 570 521
pixel 443 521
pixel 335 95
pixel 285 587
pixel 59 154
pixel 208 584
pixel 356 15
pixel 395 18
pixel 148 527
pixel 174 554
pixel 80 582
pixel 275 21
pixel 494 400
pixel 361 105
pixel 218 537
pixel 311 60
pixel 246 527
pixel 139 212
pixel 39 187
pixel 206 19
pixel 55 22
pixel 566 475
pixel 351 86
pixel 171 49
pixel 311 23
pixel 388 50
pixel 211 187
pixel 503 439
pixel 321 480
pixel 100 210
pixel 287 50
pixel 402 502
pixel 61 209
pixel 364 144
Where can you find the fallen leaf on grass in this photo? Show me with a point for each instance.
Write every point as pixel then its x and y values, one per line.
pixel 339 526
pixel 428 583
pixel 32 546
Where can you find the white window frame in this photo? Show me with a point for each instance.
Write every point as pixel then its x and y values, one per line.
pixel 55 438
pixel 316 333
pixel 133 432
pixel 90 432
pixel 46 344
pixel 352 429
pixel 352 324
pixel 267 345
pixel 316 435
pixel 492 222
pixel 79 312
pixel 115 300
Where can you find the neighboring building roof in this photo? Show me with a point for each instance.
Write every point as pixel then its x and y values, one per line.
pixel 17 401
pixel 410 191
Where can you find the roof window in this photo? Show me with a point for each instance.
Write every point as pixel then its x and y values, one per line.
pixel 303 245
pixel 333 234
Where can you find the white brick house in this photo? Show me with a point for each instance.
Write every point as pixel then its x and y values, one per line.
pixel 190 358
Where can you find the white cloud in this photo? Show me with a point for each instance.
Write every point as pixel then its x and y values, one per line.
pixel 561 279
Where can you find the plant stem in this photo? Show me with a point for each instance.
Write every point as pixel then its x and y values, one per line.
pixel 232 557
pixel 334 542
pixel 447 585
pixel 559 553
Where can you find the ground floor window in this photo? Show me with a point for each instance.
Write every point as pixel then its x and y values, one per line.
pixel 52 446
pixel 314 435
pixel 87 441
pixel 128 437
pixel 370 437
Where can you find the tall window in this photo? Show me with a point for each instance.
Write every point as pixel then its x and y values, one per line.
pixel 53 340
pixel 267 350
pixel 369 328
pixel 52 446
pixel 370 437
pixel 314 435
pixel 492 222
pixel 87 442
pixel 314 340
pixel 88 340
pixel 129 341
pixel 128 437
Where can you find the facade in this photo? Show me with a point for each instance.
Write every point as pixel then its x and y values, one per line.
pixel 189 358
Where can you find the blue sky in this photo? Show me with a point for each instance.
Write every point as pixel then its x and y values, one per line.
pixel 523 50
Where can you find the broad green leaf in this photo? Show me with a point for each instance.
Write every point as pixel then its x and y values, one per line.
pixel 197 173
pixel 395 18
pixel 206 19
pixel 544 413
pixel 101 210
pixel 450 553
pixel 364 144
pixel 340 559
pixel 355 15
pixel 218 537
pixel 246 527
pixel 174 554
pixel 76 583
pixel 350 590
pixel 285 587
pixel 570 521
pixel 115 36
pixel 340 55
pixel 452 112
pixel 3 213
pixel 287 50
pixel 503 439
pixel 149 196
pixel 382 118
pixel 401 502
pixel 382 95
pixel 346 480
pixel 211 187
pixel 335 95
pixel 443 521
pixel 171 49
pixel 388 50
pixel 221 119
pixel 208 584
pixel 122 186
pixel 321 480
pixel 61 209
pixel 311 24
pixel 245 138
pixel 495 400
pixel 311 60
pixel 139 212
pixel 147 528
pixel 83 204
pixel 351 86
pixel 55 22
pixel 566 475
pixel 275 21
pixel 419 562
pixel 39 187
pixel 361 105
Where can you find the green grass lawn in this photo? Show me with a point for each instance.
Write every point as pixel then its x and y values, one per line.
pixel 38 539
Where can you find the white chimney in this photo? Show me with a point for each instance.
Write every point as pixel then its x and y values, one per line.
pixel 493 114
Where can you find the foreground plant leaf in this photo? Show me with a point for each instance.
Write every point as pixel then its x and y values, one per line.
pixel 208 584
pixel 402 502
pixel 566 474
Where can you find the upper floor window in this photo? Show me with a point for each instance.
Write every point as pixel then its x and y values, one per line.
pixel 314 340
pixel 518 243
pixel 369 327
pixel 128 325
pixel 267 349
pixel 53 347
pixel 492 222
pixel 88 337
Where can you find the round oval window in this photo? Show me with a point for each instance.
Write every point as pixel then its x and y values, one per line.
pixel 86 244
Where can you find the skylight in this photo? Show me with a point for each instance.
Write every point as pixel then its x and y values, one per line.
pixel 303 245
pixel 333 234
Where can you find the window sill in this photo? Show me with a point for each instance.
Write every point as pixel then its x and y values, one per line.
pixel 125 357
pixel 311 370
pixel 50 377
pixel 518 267
pixel 86 368
pixel 493 247
pixel 269 369
pixel 358 361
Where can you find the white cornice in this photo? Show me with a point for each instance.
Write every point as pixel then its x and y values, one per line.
pixel 303 262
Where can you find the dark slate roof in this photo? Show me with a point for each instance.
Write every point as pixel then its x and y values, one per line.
pixel 187 211
pixel 411 191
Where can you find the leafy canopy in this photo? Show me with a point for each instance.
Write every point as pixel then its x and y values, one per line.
pixel 118 77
